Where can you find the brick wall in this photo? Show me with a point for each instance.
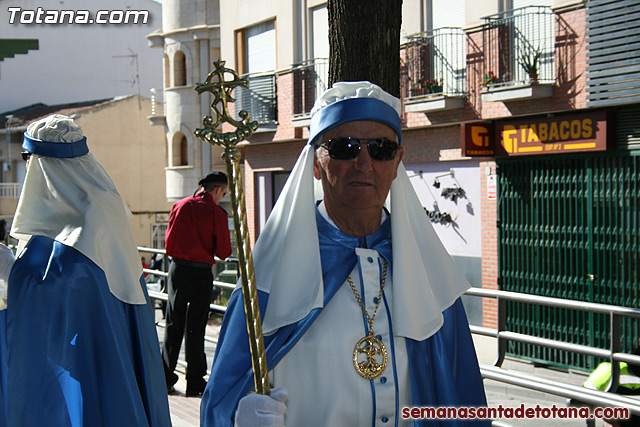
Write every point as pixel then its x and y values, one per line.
pixel 489 215
pixel 424 145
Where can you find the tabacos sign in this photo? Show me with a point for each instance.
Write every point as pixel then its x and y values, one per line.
pixel 478 140
pixel 548 135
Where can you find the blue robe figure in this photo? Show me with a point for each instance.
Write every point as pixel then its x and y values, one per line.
pixel 77 353
pixel 6 262
pixel 320 289
pixel 3 368
pixel 82 347
pixel 444 367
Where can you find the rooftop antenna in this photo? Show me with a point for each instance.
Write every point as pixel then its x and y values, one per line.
pixel 136 77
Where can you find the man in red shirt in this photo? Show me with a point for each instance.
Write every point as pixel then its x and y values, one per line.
pixel 198 230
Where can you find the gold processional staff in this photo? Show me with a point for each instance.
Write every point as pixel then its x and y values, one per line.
pixel 221 91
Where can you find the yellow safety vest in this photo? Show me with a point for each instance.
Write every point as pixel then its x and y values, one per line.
pixel 601 376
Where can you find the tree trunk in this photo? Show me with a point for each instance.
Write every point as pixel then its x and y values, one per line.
pixel 364 42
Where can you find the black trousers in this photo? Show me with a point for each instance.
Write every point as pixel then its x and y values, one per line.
pixel 189 289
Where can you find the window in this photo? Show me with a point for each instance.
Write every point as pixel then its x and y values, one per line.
pixel 269 185
pixel 158 232
pixel 179 69
pixel 519 45
pixel 320 47
pixel 167 73
pixel 261 47
pixel 256 54
pixel 180 150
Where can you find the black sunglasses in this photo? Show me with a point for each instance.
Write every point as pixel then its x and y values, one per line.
pixel 25 155
pixel 347 148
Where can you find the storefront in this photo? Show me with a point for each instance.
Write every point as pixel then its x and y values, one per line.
pixel 568 221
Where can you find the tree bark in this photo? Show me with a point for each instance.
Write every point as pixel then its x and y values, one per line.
pixel 364 42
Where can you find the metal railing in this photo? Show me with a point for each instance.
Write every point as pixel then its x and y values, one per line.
pixel 259 98
pixel 310 79
pixel 157 102
pixel 158 291
pixel 495 371
pixel 515 37
pixel 581 394
pixel 434 63
pixel 10 190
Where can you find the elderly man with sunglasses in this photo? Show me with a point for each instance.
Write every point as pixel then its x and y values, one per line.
pixel 360 301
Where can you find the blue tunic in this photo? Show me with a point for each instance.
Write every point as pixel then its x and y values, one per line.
pixel 3 368
pixel 77 355
pixel 444 368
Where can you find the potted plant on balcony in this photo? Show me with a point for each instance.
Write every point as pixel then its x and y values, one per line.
pixel 433 86
pixel 530 64
pixel 426 86
pixel 490 79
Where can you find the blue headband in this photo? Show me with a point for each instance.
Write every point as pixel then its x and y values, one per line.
pixel 55 149
pixel 351 110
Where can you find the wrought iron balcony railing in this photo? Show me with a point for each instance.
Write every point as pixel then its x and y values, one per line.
pixel 259 98
pixel 518 46
pixel 309 81
pixel 434 63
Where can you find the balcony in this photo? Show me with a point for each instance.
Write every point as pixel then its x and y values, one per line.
pixel 518 50
pixel 158 114
pixel 259 99
pixel 10 190
pixel 309 81
pixel 434 70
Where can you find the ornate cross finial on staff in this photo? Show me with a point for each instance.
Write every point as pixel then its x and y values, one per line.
pixel 221 90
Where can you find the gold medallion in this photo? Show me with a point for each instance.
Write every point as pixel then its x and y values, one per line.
pixel 370 346
pixel 376 357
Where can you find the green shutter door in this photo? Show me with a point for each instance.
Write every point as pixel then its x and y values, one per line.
pixel 568 228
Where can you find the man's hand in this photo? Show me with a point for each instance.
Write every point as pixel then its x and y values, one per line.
pixel 256 410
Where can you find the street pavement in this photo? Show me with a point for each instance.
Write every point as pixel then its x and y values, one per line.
pixel 185 411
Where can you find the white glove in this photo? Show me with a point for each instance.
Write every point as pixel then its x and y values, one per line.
pixel 257 410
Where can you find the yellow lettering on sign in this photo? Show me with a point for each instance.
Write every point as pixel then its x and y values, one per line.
pixel 479 136
pixel 533 134
pixel 553 131
pixel 507 137
pixel 523 133
pixel 564 130
pixel 553 134
pixel 587 128
pixel 543 129
pixel 576 129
